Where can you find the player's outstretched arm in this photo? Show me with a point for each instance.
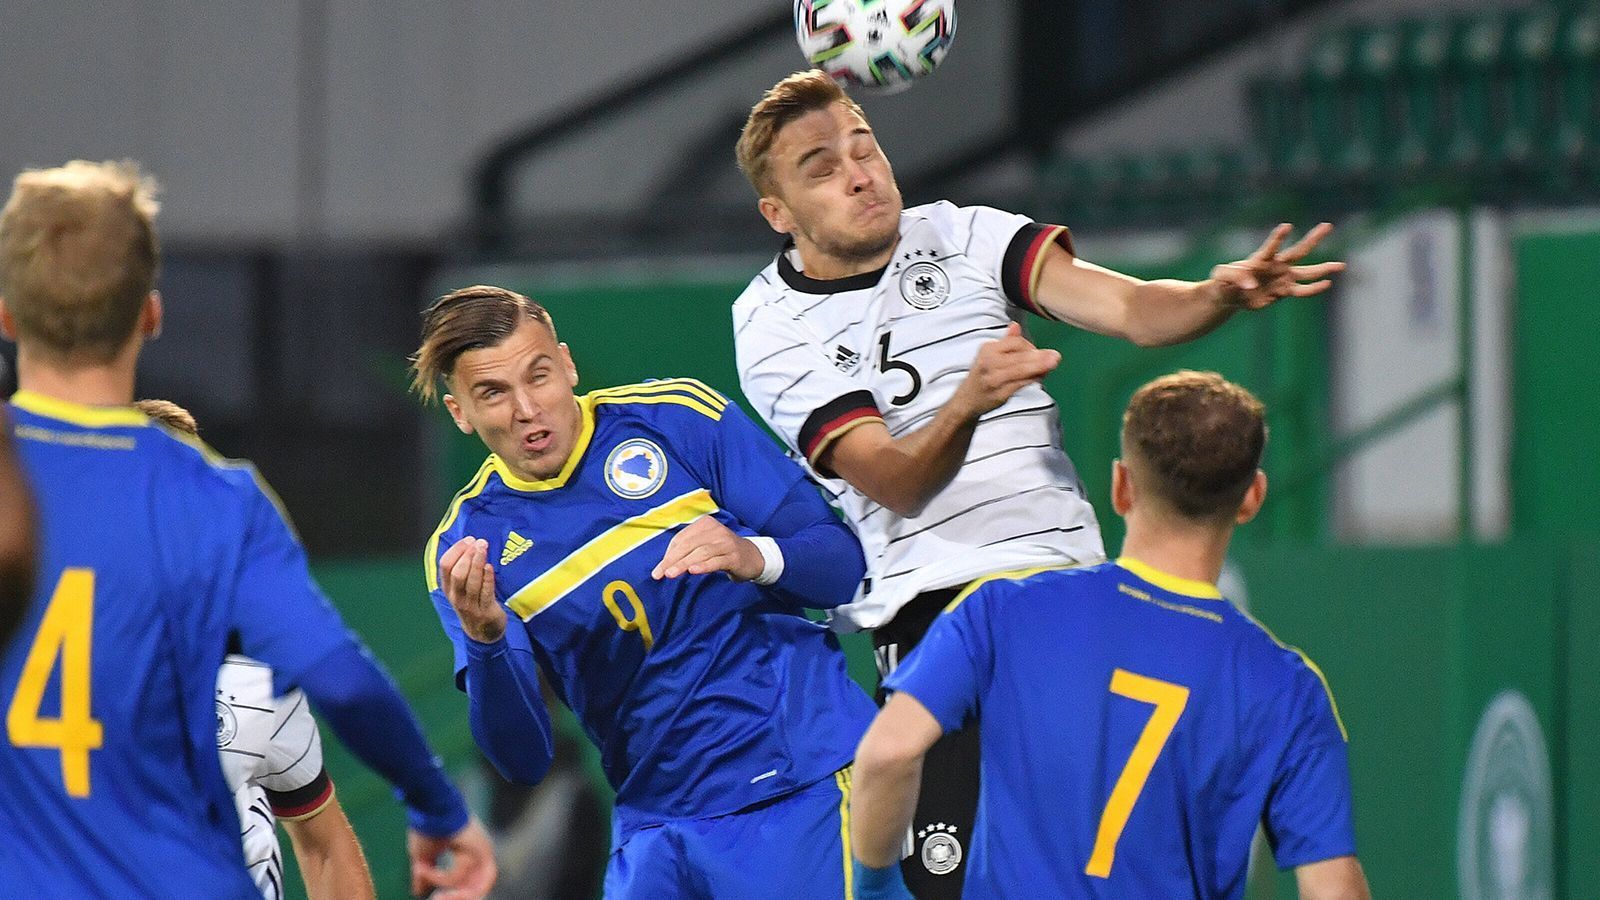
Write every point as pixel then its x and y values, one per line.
pixel 16 537
pixel 1332 879
pixel 330 857
pixel 1159 313
pixel 505 707
pixel 904 473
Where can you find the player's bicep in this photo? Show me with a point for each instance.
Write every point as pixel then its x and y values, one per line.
pixel 1083 294
pixel 294 755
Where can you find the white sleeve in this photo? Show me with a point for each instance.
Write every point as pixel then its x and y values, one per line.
pixel 1007 246
pixel 792 382
pixel 294 758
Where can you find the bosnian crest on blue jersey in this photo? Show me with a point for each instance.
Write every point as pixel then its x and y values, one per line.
pixel 636 469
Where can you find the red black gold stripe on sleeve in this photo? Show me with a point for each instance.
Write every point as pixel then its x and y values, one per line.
pixel 833 419
pixel 303 802
pixel 1019 271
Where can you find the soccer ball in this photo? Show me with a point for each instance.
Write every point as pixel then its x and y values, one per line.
pixel 883 44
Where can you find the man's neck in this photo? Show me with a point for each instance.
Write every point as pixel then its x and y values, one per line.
pixel 826 267
pixel 96 384
pixel 1187 550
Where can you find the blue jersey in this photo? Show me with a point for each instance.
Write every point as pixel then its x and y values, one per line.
pixel 153 551
pixel 704 695
pixel 1135 728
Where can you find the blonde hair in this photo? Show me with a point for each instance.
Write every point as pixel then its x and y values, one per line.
pixel 169 414
pixel 78 255
pixel 789 99
pixel 468 319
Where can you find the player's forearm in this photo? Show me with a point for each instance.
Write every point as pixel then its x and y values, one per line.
pixel 506 711
pixel 822 561
pixel 883 799
pixel 904 473
pixel 368 714
pixel 330 858
pixel 1165 312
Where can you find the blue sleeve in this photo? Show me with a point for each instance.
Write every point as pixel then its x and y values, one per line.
pixel 281 616
pixel 507 712
pixel 751 478
pixel 1309 815
pixel 822 561
pixel 879 884
pixel 354 696
pixel 452 630
pixel 948 670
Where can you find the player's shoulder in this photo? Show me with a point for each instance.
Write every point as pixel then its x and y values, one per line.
pixel 672 402
pixel 1275 665
pixel 960 222
pixel 766 287
pixel 1050 583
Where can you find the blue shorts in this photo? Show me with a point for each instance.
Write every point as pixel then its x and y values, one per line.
pixel 795 847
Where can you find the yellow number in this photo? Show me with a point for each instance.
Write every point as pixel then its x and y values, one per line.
pixel 64 633
pixel 1169 700
pixel 638 621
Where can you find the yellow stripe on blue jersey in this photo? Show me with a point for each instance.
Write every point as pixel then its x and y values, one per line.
pixel 1188 587
pixel 687 387
pixel 79 414
pixel 606 548
pixel 430 555
pixel 1012 575
pixel 1310 665
pixel 1184 608
pixel 681 391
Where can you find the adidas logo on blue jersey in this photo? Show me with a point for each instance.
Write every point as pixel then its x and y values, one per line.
pixel 516 545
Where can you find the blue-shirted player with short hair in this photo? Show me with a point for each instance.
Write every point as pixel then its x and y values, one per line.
pixel 153 554
pixel 657 551
pixel 1136 726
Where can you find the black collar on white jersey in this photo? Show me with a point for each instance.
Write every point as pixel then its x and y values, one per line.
pixel 800 281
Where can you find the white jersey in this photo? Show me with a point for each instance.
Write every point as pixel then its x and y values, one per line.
pixel 272 759
pixel 818 358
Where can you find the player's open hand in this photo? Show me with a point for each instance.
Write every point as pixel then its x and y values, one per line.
pixel 1001 368
pixel 472 870
pixel 468 582
pixel 1272 273
pixel 707 545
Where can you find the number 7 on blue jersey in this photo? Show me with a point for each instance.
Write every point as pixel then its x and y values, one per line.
pixel 1169 700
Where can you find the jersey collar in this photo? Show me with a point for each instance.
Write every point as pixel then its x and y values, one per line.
pixel 559 480
pixel 78 413
pixel 800 281
pixel 1188 587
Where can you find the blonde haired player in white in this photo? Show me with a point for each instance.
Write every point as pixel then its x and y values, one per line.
pixel 272 760
pixel 884 345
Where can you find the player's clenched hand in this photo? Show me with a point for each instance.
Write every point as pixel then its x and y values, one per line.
pixel 1001 368
pixel 472 868
pixel 468 582
pixel 1270 274
pixel 707 545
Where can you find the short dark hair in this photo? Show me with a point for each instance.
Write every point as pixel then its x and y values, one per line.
pixel 468 319
pixel 1195 439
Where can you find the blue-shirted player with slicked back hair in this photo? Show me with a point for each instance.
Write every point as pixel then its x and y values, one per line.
pixel 657 551
pixel 154 554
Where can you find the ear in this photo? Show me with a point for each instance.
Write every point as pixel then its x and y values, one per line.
pixel 8 325
pixel 1254 496
pixel 568 365
pixel 1121 488
pixel 456 414
pixel 151 317
pixel 776 212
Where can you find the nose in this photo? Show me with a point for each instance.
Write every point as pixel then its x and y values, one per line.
pixel 860 177
pixel 525 406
